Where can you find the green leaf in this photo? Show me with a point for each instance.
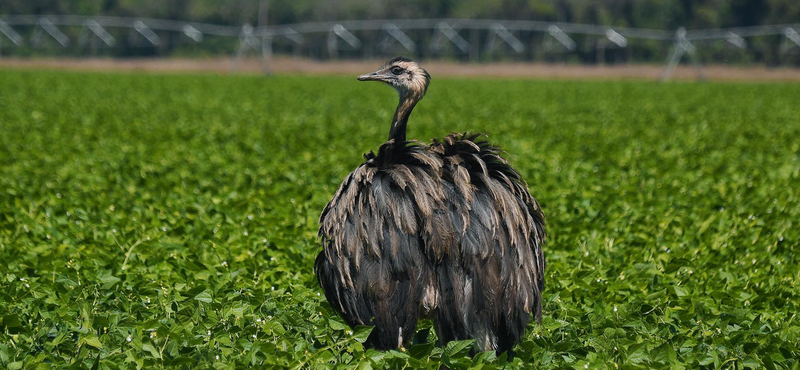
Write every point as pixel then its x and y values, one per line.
pixel 237 311
pixel 485 357
pixel 455 347
pixel 420 351
pixel 638 354
pixel 325 356
pixel 362 333
pixel 204 296
pixel 613 333
pixel 108 280
pixel 91 340
pixel 767 361
pixel 336 325
pixel 664 354
pixel 11 322
pixel 708 360
pixel 153 351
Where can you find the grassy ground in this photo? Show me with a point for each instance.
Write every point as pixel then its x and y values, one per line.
pixel 150 221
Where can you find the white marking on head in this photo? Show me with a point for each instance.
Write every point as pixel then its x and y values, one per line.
pixel 411 79
pixel 405 75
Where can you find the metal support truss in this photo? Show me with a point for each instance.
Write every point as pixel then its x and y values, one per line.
pixel 736 40
pixel 444 30
pixel 47 26
pixel 148 33
pixel 498 31
pixel 97 30
pixel 391 34
pixel 612 37
pixel 616 38
pixel 339 32
pixel 561 37
pixel 9 32
pixel 791 39
pixel 248 41
pixel 679 48
pixel 192 33
pixel 294 36
pixel 266 53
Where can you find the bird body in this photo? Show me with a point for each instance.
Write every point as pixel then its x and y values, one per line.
pixel 447 231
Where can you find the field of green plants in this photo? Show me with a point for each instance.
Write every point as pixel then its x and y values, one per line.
pixel 152 221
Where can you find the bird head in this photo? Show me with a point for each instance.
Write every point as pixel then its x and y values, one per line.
pixel 405 75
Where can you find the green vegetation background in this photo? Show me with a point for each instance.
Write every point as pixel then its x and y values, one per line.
pixel 170 220
pixel 655 14
pixel 658 14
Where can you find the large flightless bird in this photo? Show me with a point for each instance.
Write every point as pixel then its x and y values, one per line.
pixel 446 231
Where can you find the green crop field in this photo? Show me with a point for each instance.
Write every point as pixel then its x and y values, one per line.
pixel 152 221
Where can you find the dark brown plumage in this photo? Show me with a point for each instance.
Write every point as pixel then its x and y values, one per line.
pixel 447 231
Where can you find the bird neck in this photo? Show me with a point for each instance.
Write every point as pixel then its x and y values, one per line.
pixel 400 119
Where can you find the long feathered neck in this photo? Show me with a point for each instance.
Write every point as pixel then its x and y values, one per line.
pixel 400 120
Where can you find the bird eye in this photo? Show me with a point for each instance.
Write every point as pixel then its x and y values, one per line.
pixel 397 71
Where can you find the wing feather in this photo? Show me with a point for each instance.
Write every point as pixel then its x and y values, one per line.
pixel 373 267
pixel 495 278
pixel 448 228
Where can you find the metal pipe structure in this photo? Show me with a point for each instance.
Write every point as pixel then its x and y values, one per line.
pixel 122 22
pixel 260 39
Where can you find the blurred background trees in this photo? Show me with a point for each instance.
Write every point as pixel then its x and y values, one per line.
pixel 654 14
pixel 659 14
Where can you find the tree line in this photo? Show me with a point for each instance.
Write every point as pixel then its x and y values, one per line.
pixel 658 14
pixel 654 14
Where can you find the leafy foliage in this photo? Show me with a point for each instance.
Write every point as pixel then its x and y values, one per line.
pixel 170 221
pixel 653 14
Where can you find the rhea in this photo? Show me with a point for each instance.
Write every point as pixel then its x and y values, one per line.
pixel 446 231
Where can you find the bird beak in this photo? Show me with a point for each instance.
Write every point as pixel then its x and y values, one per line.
pixel 379 75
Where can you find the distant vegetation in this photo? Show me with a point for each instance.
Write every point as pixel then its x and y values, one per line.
pixel 151 220
pixel 656 14
pixel 659 14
